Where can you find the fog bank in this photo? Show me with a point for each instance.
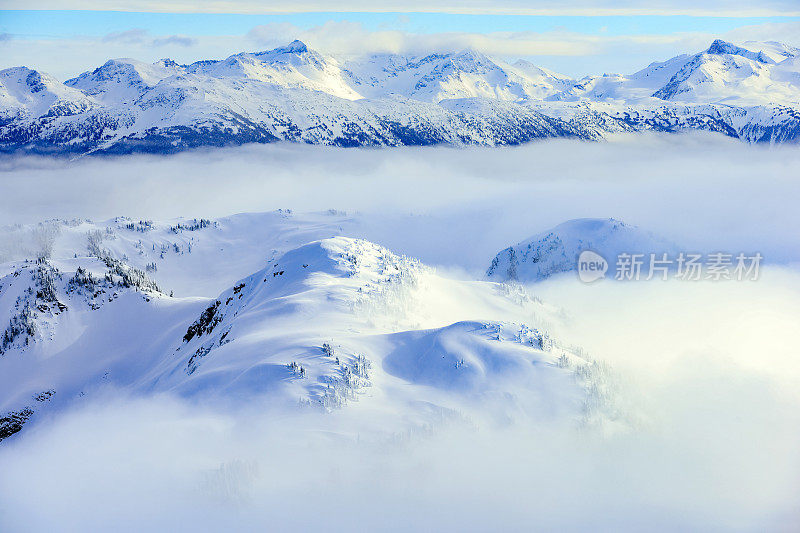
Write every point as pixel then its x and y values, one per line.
pixel 702 191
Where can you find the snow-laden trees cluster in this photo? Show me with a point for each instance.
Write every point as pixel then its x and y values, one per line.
pixel 194 225
pixel 40 296
pixel 351 374
pixel 21 325
pixel 120 272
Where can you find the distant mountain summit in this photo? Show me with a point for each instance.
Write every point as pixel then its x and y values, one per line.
pixel 720 47
pixel 749 91
pixel 729 72
pixel 557 250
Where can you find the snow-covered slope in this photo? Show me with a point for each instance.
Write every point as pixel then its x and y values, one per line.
pixel 294 66
pixel 557 250
pixel 298 94
pixel 123 81
pixel 467 74
pixel 729 73
pixel 26 93
pixel 327 324
pixel 722 74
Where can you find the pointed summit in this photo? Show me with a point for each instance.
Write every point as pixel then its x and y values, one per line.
pixel 294 47
pixel 470 56
pixel 295 50
pixel 720 47
pixel 297 47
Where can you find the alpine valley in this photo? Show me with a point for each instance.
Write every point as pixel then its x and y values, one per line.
pixel 749 91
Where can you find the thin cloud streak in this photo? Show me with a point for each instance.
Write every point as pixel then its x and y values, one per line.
pixel 140 36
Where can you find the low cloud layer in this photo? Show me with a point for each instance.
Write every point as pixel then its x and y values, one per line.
pixel 475 201
pixel 712 368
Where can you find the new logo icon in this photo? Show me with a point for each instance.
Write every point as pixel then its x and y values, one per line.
pixel 591 266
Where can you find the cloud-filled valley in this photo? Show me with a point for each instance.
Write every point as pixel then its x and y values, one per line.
pixel 236 354
pixel 450 266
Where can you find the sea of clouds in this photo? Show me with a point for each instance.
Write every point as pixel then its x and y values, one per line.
pixel 714 366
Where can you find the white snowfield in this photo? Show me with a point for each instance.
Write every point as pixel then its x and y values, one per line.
pixel 276 308
pixel 750 91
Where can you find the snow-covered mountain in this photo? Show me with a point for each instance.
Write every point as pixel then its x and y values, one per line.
pixel 123 81
pixel 333 323
pixel 556 251
pixel 754 74
pixel 294 93
pixel 726 72
pixel 449 76
pixel 28 93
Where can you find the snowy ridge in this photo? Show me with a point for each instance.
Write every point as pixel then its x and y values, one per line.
pixel 336 323
pixel 46 310
pixel 295 93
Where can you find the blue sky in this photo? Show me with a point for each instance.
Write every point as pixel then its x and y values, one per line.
pixel 34 24
pixel 65 43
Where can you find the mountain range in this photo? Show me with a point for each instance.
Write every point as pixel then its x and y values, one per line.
pixel 294 93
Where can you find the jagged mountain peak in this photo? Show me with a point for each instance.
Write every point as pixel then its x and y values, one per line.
pixel 470 60
pixel 295 47
pixel 124 80
pixel 726 71
pixel 295 52
pixel 720 47
pixel 290 67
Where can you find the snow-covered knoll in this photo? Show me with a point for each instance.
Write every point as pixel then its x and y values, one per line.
pixel 295 93
pixel 555 251
pixel 333 323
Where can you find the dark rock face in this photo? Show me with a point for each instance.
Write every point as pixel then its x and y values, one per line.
pixel 12 422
